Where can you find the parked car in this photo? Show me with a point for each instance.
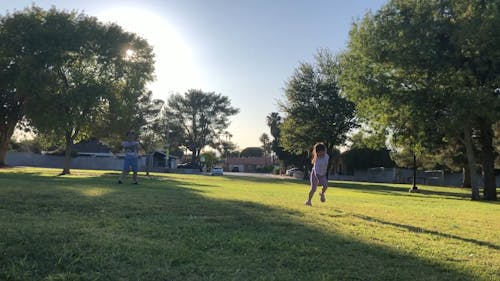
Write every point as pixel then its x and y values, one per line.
pixel 290 171
pixel 188 166
pixel 235 169
pixel 217 171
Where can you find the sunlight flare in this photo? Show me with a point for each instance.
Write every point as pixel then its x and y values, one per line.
pixel 175 67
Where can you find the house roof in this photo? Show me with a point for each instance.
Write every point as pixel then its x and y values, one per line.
pixel 164 154
pixel 91 146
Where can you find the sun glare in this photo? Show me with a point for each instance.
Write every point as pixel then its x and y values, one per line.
pixel 175 69
pixel 129 53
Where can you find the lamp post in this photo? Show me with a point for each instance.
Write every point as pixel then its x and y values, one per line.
pixel 414 187
pixel 228 137
pixel 167 147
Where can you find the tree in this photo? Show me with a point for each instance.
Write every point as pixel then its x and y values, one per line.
pixel 428 71
pixel 368 140
pixel 234 154
pixel 210 159
pixel 19 78
pixel 152 132
pixel 274 121
pixel 225 147
pixel 315 109
pixel 266 143
pixel 286 158
pixel 203 117
pixel 252 152
pixel 82 67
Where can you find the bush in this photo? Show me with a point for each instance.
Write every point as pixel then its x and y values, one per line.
pixel 265 169
pixel 30 145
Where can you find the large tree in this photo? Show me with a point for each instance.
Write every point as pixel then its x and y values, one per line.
pixel 428 70
pixel 19 75
pixel 92 67
pixel 315 109
pixel 203 117
pixel 81 69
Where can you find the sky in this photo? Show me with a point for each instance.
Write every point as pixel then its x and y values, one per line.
pixel 243 49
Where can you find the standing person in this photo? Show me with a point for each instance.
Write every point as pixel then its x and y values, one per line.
pixel 318 172
pixel 131 148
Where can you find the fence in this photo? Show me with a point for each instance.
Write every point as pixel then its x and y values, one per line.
pixel 80 162
pixel 399 175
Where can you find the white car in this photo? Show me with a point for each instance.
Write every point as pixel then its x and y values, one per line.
pixel 217 171
pixel 290 172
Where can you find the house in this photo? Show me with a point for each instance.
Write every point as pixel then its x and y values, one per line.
pixel 246 164
pixel 91 147
pixel 160 161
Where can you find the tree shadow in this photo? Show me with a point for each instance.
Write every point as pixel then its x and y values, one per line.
pixel 426 231
pixel 403 191
pixel 265 180
pixel 167 229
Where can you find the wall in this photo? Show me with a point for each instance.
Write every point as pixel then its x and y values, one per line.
pixel 80 162
pixel 398 175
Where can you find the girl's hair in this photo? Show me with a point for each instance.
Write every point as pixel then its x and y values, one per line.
pixel 317 148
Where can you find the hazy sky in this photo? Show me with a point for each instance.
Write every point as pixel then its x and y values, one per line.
pixel 244 49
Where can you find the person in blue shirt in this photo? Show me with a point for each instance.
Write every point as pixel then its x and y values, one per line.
pixel 131 150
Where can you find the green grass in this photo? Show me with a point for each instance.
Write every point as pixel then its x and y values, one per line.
pixel 84 226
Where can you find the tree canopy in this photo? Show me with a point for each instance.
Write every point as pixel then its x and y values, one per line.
pixel 252 152
pixel 202 116
pixel 18 69
pixel 428 71
pixel 315 109
pixel 79 70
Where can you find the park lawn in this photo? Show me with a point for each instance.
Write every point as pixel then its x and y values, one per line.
pixel 84 226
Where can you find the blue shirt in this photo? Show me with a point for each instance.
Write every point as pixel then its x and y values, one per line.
pixel 131 149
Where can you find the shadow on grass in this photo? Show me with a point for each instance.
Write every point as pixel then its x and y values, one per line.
pixel 422 230
pixel 396 190
pixel 167 229
pixel 368 187
pixel 266 180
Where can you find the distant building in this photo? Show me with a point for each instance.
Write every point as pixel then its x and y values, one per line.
pixel 160 161
pixel 92 147
pixel 246 164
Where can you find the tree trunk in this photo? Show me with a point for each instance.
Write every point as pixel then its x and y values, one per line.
pixel 4 146
pixel 488 159
pixel 4 142
pixel 471 161
pixel 330 160
pixel 148 164
pixel 67 155
pixel 466 180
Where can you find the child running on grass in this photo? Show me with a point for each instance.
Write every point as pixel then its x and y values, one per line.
pixel 131 148
pixel 318 172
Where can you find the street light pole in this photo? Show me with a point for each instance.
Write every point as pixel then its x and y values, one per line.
pixel 167 147
pixel 414 187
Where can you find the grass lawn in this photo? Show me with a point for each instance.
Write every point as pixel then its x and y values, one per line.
pixel 84 226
